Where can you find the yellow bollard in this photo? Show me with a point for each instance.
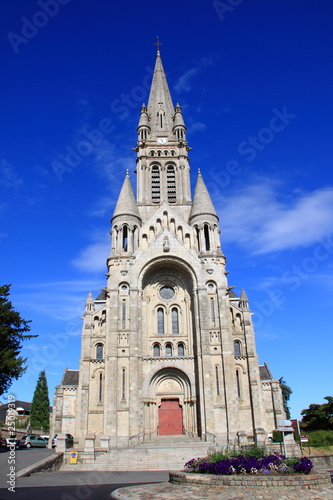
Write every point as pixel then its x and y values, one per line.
pixel 73 457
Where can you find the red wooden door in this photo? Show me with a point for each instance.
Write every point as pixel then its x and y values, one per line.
pixel 170 418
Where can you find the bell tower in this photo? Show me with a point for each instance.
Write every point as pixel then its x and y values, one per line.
pixel 162 150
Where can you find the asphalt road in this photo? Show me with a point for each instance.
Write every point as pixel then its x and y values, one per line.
pixel 23 458
pixel 66 485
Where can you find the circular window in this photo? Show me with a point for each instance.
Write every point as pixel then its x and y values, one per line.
pixel 167 292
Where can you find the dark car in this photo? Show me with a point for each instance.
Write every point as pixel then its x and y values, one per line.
pixel 32 441
pixel 3 444
pixel 69 441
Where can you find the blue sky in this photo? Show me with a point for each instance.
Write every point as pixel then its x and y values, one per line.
pixel 254 79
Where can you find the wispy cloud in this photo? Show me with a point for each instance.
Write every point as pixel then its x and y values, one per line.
pixel 61 300
pixel 257 216
pixel 196 127
pixel 184 82
pixel 93 257
pixel 9 178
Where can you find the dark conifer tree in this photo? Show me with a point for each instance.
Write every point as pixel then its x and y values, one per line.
pixel 40 406
pixel 12 330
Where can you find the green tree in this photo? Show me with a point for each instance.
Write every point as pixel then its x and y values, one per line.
pixel 12 333
pixel 286 392
pixel 318 417
pixel 40 406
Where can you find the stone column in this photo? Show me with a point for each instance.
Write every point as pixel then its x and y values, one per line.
pixel 260 437
pixel 242 438
pixel 89 443
pixel 105 442
pixel 61 443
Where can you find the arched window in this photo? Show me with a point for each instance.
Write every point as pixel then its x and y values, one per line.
pixel 206 235
pixel 238 384
pixel 160 321
pixel 155 184
pixel 212 311
pixel 99 351
pixel 171 184
pixel 197 233
pixel 237 348
pixel 123 313
pixel 157 350
pixel 175 321
pixel 100 391
pixel 123 383
pixel 125 238
pixel 168 350
pixel 181 349
pixel 217 380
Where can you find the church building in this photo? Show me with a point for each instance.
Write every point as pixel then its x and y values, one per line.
pixel 167 347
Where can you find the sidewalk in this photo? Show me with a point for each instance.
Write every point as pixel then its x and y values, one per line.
pixel 168 491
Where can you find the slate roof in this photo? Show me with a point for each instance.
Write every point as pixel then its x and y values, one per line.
pixel 265 373
pixel 102 295
pixel 71 377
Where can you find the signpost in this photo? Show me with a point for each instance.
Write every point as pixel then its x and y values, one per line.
pixel 284 426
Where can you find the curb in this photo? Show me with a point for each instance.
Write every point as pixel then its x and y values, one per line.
pixel 49 463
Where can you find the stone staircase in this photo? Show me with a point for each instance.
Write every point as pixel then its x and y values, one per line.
pixel 160 453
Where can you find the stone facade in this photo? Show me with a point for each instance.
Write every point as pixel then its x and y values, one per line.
pixel 167 347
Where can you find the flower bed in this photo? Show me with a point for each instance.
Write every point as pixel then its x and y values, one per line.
pixel 272 464
pixel 278 482
pixel 251 469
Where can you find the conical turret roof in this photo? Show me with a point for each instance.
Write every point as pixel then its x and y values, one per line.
pixel 126 204
pixel 202 203
pixel 243 300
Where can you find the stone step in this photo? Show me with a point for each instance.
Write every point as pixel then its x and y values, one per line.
pixel 148 458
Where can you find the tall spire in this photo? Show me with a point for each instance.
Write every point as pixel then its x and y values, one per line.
pixel 160 107
pixel 126 204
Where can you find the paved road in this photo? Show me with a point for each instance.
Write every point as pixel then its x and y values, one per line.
pixel 67 485
pixel 23 458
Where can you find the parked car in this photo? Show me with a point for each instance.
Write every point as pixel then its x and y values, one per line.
pixel 69 441
pixel 3 444
pixel 12 441
pixel 32 440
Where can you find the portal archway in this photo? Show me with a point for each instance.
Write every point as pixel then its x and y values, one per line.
pixel 170 408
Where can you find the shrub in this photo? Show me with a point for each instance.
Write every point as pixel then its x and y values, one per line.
pixel 320 438
pixel 277 437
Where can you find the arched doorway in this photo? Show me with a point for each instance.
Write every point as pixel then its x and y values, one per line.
pixel 170 407
pixel 170 418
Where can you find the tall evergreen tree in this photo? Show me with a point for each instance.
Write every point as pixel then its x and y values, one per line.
pixel 12 330
pixel 40 406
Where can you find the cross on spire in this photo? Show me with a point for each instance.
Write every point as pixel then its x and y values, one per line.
pixel 158 43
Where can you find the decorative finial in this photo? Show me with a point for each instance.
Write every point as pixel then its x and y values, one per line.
pixel 158 44
pixel 127 172
pixel 199 171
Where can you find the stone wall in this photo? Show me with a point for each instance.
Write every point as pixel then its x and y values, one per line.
pixel 293 481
